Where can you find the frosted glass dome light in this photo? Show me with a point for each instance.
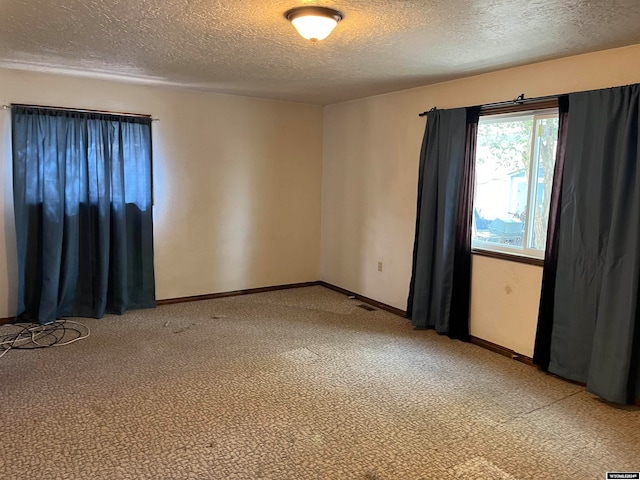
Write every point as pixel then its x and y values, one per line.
pixel 314 23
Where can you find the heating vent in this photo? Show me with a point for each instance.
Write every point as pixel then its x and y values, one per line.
pixel 368 308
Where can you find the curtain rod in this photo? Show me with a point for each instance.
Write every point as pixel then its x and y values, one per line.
pixel 519 100
pixel 83 110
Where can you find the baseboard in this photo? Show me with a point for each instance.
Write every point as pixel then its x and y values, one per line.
pixel 211 296
pixel 507 352
pixel 494 347
pixel 362 298
pixel 234 293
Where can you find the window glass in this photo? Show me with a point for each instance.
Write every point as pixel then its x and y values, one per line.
pixel 515 158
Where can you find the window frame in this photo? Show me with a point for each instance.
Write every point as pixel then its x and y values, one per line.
pixel 540 109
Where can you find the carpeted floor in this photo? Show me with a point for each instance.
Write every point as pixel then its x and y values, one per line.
pixel 295 384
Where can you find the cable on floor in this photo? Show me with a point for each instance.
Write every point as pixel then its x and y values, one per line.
pixel 29 336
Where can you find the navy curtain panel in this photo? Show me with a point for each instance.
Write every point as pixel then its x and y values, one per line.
pixel 547 295
pixel 440 285
pixel 82 199
pixel 595 335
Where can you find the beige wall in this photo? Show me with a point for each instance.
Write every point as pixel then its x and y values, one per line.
pixel 237 183
pixel 370 167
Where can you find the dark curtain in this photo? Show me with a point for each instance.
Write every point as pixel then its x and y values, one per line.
pixel 542 347
pixel 82 200
pixel 595 335
pixel 441 278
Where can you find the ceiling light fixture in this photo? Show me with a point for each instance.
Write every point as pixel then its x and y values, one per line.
pixel 314 23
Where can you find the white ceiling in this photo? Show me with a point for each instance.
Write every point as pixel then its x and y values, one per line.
pixel 247 47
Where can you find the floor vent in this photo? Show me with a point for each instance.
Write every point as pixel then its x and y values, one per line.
pixel 368 308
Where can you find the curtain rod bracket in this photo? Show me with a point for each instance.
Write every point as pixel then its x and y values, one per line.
pixel 433 109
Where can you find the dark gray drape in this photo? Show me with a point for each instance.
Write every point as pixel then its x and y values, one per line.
pixel 542 350
pixel 441 276
pixel 82 200
pixel 596 328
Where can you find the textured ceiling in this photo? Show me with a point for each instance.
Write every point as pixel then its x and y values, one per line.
pixel 247 47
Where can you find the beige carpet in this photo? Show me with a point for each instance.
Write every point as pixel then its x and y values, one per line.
pixel 296 384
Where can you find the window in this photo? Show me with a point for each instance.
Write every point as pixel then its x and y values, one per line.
pixel 515 158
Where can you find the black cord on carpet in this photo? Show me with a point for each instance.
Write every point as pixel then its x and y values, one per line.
pixel 31 336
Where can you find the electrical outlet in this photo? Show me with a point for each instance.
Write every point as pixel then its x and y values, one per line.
pixel 379 266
